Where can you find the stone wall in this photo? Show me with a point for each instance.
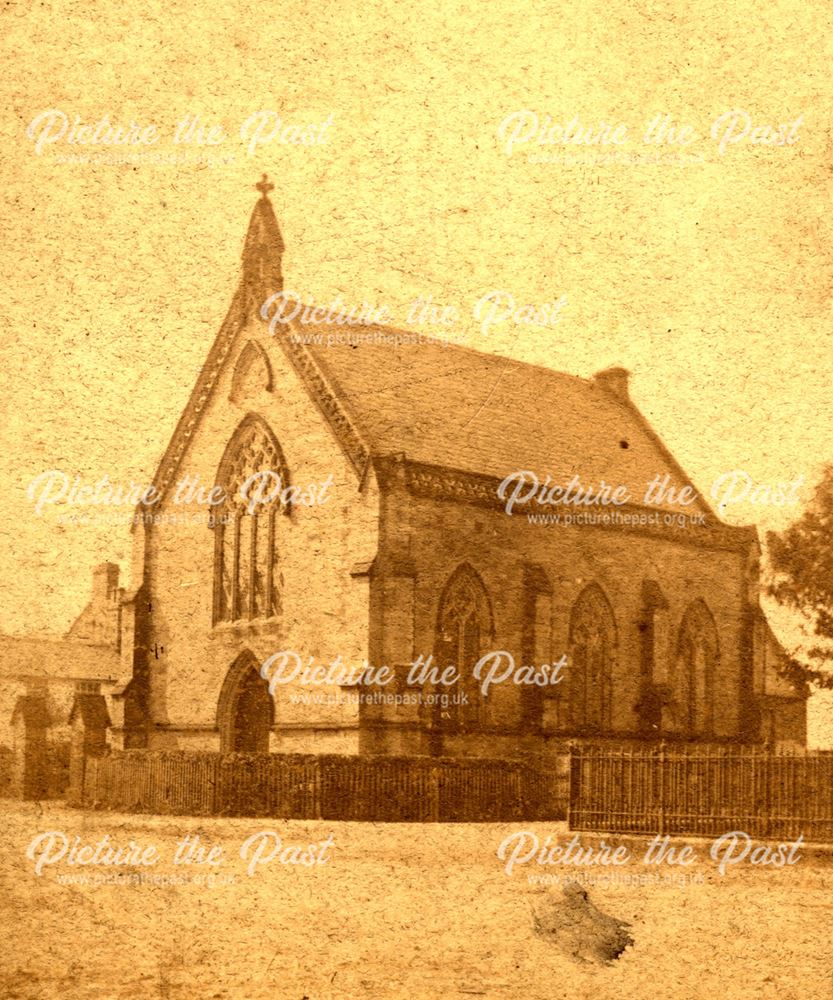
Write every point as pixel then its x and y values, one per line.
pixel 430 538
pixel 321 551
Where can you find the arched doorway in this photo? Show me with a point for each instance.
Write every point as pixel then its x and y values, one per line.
pixel 246 711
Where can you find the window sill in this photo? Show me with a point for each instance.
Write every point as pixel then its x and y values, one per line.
pixel 244 627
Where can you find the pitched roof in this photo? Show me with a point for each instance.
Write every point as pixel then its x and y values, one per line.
pixel 453 406
pixel 56 658
pixel 439 404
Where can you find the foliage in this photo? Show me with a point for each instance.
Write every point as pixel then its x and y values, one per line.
pixel 801 562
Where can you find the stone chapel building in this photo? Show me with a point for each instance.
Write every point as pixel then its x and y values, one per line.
pixel 413 554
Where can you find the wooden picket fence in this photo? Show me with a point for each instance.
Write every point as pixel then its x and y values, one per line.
pixel 336 787
pixel 701 791
pixel 696 790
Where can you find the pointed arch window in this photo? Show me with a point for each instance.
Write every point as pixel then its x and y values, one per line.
pixel 464 634
pixel 245 525
pixel 695 670
pixel 590 663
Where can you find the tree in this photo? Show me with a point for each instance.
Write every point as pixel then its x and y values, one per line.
pixel 801 563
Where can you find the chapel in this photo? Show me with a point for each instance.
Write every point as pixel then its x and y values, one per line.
pixel 386 541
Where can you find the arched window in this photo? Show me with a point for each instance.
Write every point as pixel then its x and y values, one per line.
pixel 695 669
pixel 589 673
pixel 252 373
pixel 464 634
pixel 245 549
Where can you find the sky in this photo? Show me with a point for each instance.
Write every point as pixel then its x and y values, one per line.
pixel 702 266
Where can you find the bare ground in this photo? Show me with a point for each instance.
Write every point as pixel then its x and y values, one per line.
pixel 398 911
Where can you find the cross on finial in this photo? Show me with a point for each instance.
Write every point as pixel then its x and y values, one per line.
pixel 265 186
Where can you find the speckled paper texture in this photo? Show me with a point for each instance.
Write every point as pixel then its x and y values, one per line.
pixel 626 209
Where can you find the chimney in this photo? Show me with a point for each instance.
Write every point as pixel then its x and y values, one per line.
pixel 100 621
pixel 614 381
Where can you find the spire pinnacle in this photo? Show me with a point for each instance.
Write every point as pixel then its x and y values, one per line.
pixel 263 247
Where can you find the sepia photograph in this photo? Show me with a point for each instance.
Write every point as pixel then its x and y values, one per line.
pixel 417 467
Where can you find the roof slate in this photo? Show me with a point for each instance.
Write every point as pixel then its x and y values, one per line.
pixel 460 408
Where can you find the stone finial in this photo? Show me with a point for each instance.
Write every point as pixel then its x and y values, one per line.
pixel 264 185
